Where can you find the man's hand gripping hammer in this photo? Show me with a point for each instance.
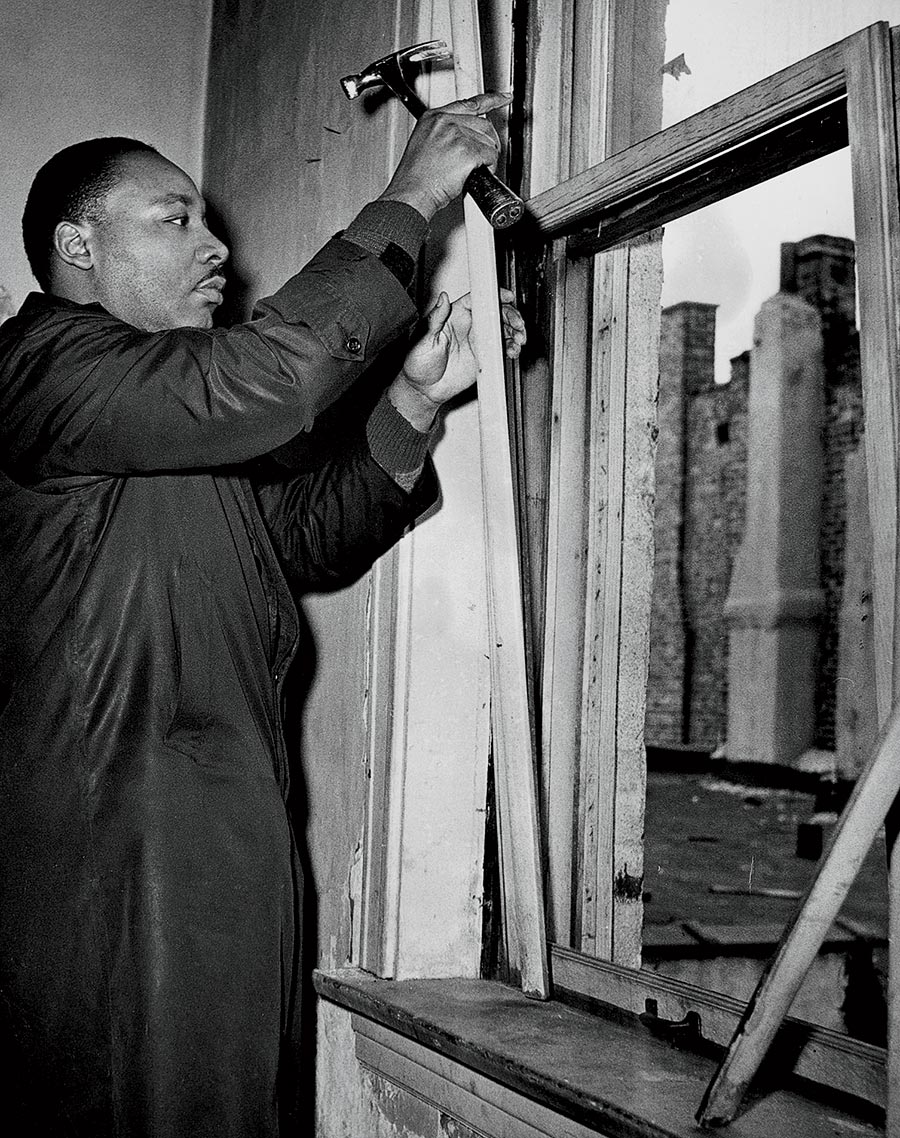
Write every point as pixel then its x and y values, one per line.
pixel 496 201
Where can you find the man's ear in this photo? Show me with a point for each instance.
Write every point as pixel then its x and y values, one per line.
pixel 71 243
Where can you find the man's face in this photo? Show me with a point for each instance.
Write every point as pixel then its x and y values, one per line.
pixel 154 262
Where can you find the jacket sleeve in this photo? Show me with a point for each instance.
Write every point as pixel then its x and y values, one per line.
pixel 92 395
pixel 329 525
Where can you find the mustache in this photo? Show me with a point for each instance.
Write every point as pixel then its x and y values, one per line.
pixel 216 276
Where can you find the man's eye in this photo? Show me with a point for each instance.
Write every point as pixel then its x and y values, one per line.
pixel 181 220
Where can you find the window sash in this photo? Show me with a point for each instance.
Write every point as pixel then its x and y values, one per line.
pixel 844 93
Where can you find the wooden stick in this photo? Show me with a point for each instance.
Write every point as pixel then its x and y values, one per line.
pixel 513 741
pixel 863 816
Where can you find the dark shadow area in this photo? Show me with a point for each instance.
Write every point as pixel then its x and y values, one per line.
pixel 237 301
pixel 343 421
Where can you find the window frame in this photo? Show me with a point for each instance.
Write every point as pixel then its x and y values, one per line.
pixel 599 230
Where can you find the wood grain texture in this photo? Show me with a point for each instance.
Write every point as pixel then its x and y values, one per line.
pixel 613 99
pixel 565 39
pixel 874 89
pixel 797 90
pixel 623 323
pixel 816 1053
pixel 563 646
pixel 512 731
pixel 602 604
pixel 611 1074
pixel 785 148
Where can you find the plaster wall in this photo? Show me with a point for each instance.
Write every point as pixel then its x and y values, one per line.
pixel 73 71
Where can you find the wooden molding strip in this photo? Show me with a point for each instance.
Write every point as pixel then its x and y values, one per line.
pixel 811 1052
pixel 760 159
pixel 512 733
pixel 797 90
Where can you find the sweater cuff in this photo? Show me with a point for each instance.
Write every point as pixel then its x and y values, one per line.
pixel 398 448
pixel 392 231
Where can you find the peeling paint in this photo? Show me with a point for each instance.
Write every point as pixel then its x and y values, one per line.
pixel 408 1115
pixel 354 900
pixel 628 887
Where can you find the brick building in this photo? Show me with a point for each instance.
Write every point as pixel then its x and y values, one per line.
pixel 701 499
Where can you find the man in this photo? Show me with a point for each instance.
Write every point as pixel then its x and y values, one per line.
pixel 151 549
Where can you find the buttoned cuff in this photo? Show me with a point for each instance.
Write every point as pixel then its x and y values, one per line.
pixel 398 448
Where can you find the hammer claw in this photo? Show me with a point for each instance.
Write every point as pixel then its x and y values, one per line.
pixel 497 202
pixel 381 70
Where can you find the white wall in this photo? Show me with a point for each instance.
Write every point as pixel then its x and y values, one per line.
pixel 71 70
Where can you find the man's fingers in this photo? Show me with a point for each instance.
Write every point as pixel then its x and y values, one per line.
pixel 439 314
pixel 478 104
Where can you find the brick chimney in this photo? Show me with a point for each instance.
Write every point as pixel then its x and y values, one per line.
pixel 822 270
pixel 689 344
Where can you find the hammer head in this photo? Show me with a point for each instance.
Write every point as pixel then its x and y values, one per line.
pixel 384 71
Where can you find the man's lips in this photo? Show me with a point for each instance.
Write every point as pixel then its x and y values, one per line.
pixel 211 288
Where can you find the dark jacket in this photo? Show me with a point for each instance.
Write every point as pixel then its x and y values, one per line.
pixel 148 876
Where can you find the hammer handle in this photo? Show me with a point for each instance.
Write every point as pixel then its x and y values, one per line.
pixel 496 201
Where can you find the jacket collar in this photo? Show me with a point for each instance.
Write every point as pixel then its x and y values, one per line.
pixel 38 303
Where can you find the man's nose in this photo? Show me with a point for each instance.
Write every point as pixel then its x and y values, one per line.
pixel 212 249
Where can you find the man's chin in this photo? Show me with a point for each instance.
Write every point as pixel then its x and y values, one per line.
pixel 195 318
pixel 166 318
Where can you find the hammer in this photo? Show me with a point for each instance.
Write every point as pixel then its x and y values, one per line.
pixel 496 201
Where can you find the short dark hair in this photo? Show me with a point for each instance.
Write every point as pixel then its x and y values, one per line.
pixel 71 186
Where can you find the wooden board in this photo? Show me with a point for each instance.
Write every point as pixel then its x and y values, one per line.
pixel 805 86
pixel 816 1053
pixel 512 734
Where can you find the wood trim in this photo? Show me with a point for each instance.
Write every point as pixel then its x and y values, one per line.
pixel 785 148
pixel 563 640
pixel 512 728
pixel 384 696
pixel 797 90
pixel 592 309
pixel 874 172
pixel 601 612
pixel 614 1073
pixel 873 92
pixel 617 599
pixel 811 1052
pixel 564 46
pixel 475 1100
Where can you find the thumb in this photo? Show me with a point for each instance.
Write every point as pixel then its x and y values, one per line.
pixel 438 315
pixel 479 104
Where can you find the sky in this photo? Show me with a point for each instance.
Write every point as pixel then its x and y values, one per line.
pixel 728 254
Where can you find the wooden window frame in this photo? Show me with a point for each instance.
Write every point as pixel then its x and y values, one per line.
pixel 597 614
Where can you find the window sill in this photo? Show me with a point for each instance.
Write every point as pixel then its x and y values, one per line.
pixel 484 1052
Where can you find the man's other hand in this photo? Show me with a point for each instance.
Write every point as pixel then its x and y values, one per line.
pixel 442 363
pixel 444 148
